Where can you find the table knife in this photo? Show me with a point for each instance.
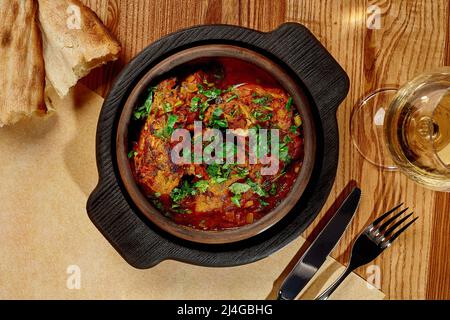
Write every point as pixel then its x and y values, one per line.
pixel 320 248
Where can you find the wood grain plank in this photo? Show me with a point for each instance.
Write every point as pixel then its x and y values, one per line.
pixel 438 286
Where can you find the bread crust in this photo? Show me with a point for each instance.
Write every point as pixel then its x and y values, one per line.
pixel 75 42
pixel 22 71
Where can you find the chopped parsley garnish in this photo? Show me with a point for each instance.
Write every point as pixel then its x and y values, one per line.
pixel 144 110
pixel 232 98
pixel 211 94
pixel 167 107
pixel 287 139
pixel 256 188
pixel 262 100
pixel 263 203
pixel 167 131
pixel 132 154
pixel 201 185
pixel 213 170
pixel 239 188
pixel 261 116
pixel 273 189
pixel 195 103
pixel 236 199
pixel 179 194
pixel 293 129
pixel 242 172
pixel 284 153
pixel 219 180
pixel 203 107
pixel 289 104
pixel 218 173
pixel 216 121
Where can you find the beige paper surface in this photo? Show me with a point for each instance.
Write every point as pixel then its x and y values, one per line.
pixel 47 170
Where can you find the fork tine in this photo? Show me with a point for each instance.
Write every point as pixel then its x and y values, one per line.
pixel 391 239
pixel 391 229
pixel 388 222
pixel 378 220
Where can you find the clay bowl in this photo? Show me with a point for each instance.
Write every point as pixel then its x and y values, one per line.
pixel 180 59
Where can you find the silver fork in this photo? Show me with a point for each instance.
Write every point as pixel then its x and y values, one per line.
pixel 371 243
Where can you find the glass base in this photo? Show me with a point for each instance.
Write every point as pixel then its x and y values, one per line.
pixel 367 128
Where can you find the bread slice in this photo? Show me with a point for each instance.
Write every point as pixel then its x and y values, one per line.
pixel 22 71
pixel 75 42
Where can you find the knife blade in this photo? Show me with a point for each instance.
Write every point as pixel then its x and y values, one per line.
pixel 320 248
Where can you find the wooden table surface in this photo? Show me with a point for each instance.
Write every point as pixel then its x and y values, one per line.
pixel 414 37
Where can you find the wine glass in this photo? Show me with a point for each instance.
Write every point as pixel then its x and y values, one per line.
pixel 408 129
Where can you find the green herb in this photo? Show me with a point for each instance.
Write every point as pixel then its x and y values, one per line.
pixel 293 129
pixel 284 153
pixel 218 180
pixel 178 103
pixel 263 203
pixel 213 170
pixel 218 173
pixel 194 103
pixel 178 194
pixel 239 188
pixel 273 189
pixel 167 107
pixel 157 194
pixel 289 104
pixel 203 107
pixel 261 116
pixel 167 131
pixel 262 100
pixel 217 113
pixel 144 110
pixel 232 98
pixel 236 200
pixel 132 154
pixel 242 172
pixel 216 121
pixel 287 139
pixel 257 188
pixel 201 185
pixel 211 94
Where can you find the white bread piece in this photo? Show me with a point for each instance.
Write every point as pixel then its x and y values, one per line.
pixel 22 71
pixel 75 42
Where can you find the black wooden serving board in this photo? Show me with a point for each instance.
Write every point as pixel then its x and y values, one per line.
pixel 140 242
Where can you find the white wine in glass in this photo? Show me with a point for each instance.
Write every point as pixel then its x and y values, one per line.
pixel 415 126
